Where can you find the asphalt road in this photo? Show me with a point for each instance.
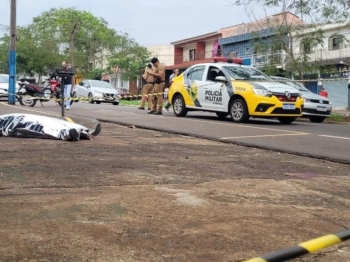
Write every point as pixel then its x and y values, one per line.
pixel 326 141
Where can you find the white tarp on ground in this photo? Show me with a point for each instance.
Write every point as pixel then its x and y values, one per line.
pixel 45 127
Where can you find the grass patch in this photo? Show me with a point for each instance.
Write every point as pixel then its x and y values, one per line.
pixel 130 102
pixel 338 118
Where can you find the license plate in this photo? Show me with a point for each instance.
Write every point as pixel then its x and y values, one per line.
pixel 322 108
pixel 288 106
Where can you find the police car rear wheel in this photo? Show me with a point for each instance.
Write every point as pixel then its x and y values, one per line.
pixel 221 114
pixel 239 111
pixel 286 120
pixel 179 106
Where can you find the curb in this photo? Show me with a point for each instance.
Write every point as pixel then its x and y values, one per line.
pixel 244 144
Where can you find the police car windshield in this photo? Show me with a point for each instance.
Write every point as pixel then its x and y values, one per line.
pixel 245 73
pixel 4 79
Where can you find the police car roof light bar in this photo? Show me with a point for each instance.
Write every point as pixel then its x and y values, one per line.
pixel 228 60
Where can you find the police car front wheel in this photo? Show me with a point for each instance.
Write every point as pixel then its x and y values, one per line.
pixel 179 106
pixel 239 111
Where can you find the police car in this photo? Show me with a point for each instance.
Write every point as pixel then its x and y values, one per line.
pixel 226 87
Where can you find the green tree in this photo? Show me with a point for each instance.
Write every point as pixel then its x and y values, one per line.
pixel 129 58
pixel 79 34
pixel 286 29
pixel 34 55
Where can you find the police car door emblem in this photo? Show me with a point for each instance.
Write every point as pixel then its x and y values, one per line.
pixel 194 91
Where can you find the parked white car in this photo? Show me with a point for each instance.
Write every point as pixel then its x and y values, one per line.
pixel 4 85
pixel 316 107
pixel 98 91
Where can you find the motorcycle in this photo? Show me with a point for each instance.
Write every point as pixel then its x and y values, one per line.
pixel 28 94
pixel 55 86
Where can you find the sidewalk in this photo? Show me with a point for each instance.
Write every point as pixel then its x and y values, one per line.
pixel 341 111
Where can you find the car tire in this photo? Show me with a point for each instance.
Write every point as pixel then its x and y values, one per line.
pixel 239 111
pixel 221 114
pixel 317 119
pixel 90 96
pixel 286 120
pixel 98 102
pixel 74 95
pixel 115 103
pixel 179 106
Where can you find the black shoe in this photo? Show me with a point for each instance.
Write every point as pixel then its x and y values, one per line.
pixel 141 108
pixel 158 113
pixel 152 112
pixel 96 130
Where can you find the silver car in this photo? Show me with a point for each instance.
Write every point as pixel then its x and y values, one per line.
pixel 98 91
pixel 4 85
pixel 316 107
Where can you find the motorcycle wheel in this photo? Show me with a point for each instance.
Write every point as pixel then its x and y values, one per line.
pixel 25 100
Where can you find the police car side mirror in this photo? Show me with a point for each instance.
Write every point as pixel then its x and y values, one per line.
pixel 220 79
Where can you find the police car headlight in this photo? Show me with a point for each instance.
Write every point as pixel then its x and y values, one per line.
pixel 262 92
pixel 330 102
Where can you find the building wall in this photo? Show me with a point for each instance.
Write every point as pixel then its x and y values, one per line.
pixel 321 51
pixel 209 48
pixel 244 44
pixel 261 24
pixel 165 53
pixel 204 49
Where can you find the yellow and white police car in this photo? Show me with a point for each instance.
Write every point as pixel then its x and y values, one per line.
pixel 226 87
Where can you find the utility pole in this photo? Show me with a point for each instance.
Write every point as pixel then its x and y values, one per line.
pixel 12 62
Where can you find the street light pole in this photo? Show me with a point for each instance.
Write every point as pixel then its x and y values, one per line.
pixel 12 62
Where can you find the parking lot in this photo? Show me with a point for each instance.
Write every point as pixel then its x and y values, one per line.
pixel 137 195
pixel 326 141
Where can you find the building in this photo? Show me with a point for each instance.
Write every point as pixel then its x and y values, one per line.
pixel 244 39
pixel 198 49
pixel 165 53
pixel 333 56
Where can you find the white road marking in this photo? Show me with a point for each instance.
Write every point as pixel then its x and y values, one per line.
pixel 235 125
pixel 337 137
pixel 262 136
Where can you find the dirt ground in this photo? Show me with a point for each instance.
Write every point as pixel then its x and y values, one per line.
pixel 137 195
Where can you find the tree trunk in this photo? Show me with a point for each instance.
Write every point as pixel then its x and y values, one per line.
pixel 72 44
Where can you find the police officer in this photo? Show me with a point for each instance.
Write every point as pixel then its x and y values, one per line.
pixel 158 88
pixel 147 88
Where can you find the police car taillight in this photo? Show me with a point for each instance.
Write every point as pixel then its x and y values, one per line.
pixel 228 60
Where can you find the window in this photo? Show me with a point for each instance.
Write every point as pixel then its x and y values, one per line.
pixel 335 43
pixel 196 73
pixel 214 72
pixel 86 83
pixel 232 54
pixel 192 54
pixel 245 73
pixel 218 53
pixel 4 79
pixel 305 48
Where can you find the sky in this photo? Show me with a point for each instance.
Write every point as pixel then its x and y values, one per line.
pixel 149 22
